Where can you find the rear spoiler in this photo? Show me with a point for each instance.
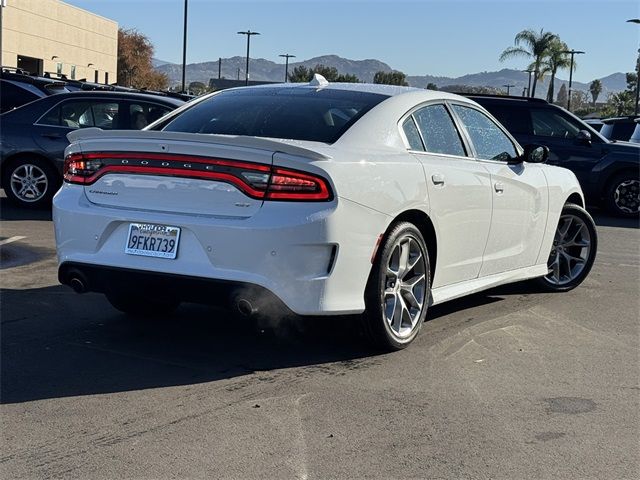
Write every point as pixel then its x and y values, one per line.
pixel 270 144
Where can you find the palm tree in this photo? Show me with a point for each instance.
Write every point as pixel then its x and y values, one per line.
pixel 530 44
pixel 595 88
pixel 556 58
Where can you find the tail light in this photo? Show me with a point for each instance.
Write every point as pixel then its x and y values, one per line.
pixel 254 179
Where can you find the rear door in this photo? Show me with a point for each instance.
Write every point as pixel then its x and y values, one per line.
pixel 459 192
pixel 50 130
pixel 519 195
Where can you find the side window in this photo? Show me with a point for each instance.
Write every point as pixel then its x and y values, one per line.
pixel 412 134
pixel 489 141
pixel 548 122
pixel 517 120
pixel 142 114
pixel 81 114
pixel 12 96
pixel 438 131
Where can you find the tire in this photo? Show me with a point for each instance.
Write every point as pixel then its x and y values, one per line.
pixel 622 195
pixel 573 252
pixel 392 285
pixel 30 182
pixel 141 307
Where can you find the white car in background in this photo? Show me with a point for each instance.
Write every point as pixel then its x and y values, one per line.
pixel 317 199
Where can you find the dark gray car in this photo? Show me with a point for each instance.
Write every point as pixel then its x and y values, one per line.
pixel 34 136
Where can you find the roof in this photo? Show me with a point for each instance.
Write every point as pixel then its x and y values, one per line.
pixel 627 119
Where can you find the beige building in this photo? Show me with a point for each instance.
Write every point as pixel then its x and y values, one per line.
pixel 52 36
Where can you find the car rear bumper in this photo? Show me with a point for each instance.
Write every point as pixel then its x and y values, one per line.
pixel 314 257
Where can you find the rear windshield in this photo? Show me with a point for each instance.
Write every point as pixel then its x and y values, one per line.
pixel 295 113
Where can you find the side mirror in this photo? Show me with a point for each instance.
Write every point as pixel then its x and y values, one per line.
pixel 583 136
pixel 535 153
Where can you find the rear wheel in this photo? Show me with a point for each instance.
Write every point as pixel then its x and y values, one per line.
pixel 397 294
pixel 573 251
pixel 622 196
pixel 30 182
pixel 143 307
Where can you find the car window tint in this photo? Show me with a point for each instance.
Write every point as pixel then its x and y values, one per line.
pixel 551 123
pixel 13 96
pixel 142 114
pixel 82 114
pixel 296 113
pixel 489 140
pixel 622 130
pixel 412 134
pixel 438 130
pixel 517 120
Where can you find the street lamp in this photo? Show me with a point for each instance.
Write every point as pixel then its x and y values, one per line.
pixel 529 72
pixel 248 33
pixel 286 65
pixel 635 108
pixel 572 52
pixel 508 87
pixel 184 46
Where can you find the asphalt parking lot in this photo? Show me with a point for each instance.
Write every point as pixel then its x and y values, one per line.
pixel 508 384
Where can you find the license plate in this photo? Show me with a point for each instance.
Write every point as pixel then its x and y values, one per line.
pixel 152 240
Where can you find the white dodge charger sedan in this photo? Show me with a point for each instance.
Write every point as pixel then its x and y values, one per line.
pixel 317 199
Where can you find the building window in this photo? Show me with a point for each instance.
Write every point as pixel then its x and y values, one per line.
pixel 106 78
pixel 95 77
pixel 59 68
pixel 73 72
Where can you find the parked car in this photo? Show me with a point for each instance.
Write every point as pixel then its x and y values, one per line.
pixel 317 199
pixel 18 88
pixel 619 128
pixel 607 171
pixel 33 136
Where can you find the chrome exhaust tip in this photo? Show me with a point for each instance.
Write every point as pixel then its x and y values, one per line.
pixel 245 307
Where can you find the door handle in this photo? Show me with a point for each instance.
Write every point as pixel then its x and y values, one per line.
pixel 51 135
pixel 437 179
pixel 499 187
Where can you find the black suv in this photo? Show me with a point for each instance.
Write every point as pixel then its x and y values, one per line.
pixel 608 171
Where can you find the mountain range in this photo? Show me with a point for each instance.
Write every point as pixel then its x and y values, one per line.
pixel 268 71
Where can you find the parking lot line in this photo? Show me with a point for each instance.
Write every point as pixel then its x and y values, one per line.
pixel 11 240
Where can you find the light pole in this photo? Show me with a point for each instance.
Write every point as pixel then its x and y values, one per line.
pixel 529 72
pixel 508 88
pixel 286 65
pixel 248 33
pixel 572 52
pixel 635 107
pixel 184 46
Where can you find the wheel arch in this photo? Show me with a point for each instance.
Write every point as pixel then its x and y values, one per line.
pixel 576 199
pixel 422 221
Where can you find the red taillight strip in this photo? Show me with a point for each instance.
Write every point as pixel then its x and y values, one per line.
pixel 290 185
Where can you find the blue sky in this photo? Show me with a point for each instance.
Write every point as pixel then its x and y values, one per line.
pixel 436 37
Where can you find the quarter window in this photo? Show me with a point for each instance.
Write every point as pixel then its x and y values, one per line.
pixel 489 140
pixel 438 131
pixel 412 134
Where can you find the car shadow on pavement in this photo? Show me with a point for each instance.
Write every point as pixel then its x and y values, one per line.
pixel 8 211
pixel 603 220
pixel 55 343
